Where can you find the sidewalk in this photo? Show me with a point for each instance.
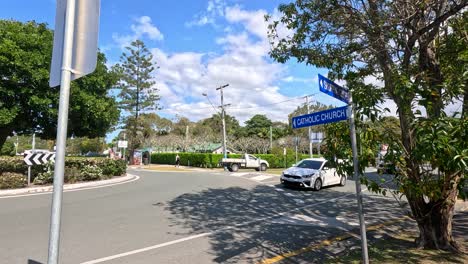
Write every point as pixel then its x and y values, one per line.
pixel 67 187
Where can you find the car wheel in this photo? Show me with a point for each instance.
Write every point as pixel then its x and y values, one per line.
pixel 318 185
pixel 343 181
pixel 234 167
pixel 263 167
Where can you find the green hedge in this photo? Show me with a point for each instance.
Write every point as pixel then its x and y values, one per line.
pixel 76 169
pixel 209 160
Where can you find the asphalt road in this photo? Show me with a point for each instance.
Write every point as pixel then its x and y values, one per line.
pixel 184 217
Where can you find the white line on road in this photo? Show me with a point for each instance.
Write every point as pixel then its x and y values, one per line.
pixel 261 220
pixel 146 249
pixel 261 177
pixel 298 201
pixel 73 190
pixel 239 174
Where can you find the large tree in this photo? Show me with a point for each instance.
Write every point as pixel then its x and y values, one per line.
pixel 27 103
pixel 399 42
pixel 258 125
pixel 137 91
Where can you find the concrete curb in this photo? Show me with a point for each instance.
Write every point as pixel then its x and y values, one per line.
pixel 66 187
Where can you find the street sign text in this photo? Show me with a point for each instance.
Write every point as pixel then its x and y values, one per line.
pixel 320 118
pixel 329 87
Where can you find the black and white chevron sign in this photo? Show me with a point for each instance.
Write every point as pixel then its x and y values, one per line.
pixel 38 158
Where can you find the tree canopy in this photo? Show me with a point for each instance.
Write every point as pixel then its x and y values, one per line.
pixel 27 102
pixel 402 44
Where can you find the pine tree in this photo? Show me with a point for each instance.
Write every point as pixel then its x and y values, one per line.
pixel 137 91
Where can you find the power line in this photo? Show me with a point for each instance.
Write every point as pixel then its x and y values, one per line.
pixel 260 106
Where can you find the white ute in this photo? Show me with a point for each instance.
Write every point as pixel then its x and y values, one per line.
pixel 247 162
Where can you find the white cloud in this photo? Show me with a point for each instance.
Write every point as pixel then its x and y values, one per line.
pixel 214 10
pixel 143 27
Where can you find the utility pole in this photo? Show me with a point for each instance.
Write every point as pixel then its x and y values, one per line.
pixel 271 138
pixel 310 137
pixel 186 137
pixel 222 117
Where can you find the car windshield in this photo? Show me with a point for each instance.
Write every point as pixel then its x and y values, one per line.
pixel 310 164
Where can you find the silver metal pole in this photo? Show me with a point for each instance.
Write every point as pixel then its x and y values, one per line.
pixel 34 143
pixel 224 122
pixel 54 237
pixel 29 175
pixel 271 138
pixel 311 150
pixel 365 256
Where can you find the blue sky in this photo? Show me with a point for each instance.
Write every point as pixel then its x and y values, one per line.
pixel 199 45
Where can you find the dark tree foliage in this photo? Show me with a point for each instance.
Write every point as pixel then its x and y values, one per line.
pixel 409 46
pixel 28 104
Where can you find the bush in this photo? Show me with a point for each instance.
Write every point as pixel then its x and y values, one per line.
pixel 11 180
pixel 209 160
pixel 47 176
pixel 74 166
pixel 90 173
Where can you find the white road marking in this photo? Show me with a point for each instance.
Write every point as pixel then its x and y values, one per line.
pixel 145 249
pixel 298 201
pixel 73 190
pixel 261 177
pixel 239 174
pixel 279 190
pixel 262 219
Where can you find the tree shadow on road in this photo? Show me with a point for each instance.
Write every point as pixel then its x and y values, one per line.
pixel 248 225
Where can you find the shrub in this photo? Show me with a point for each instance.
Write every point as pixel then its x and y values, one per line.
pixel 47 176
pixel 112 167
pixel 90 173
pixel 12 180
pixel 210 160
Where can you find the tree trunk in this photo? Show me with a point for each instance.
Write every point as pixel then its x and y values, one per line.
pixel 434 221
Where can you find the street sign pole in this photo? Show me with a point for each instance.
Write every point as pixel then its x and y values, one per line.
pixel 365 257
pixel 54 236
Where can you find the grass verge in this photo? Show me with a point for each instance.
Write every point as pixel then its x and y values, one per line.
pixel 399 248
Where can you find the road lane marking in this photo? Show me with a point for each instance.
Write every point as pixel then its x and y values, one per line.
pixel 146 249
pixel 329 241
pixel 73 190
pixel 239 174
pixel 298 201
pixel 258 220
pixel 261 177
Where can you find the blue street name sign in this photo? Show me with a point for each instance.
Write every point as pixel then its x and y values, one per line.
pixel 329 87
pixel 320 118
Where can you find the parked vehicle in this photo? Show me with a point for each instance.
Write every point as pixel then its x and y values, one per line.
pixel 246 162
pixel 312 173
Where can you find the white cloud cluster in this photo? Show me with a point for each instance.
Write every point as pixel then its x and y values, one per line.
pixel 244 64
pixel 214 10
pixel 143 27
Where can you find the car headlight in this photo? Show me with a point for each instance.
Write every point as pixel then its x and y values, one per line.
pixel 308 176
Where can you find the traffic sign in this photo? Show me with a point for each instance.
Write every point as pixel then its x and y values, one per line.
pixel 85 40
pixel 329 87
pixel 122 144
pixel 320 118
pixel 38 158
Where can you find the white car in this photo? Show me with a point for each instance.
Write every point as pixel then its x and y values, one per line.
pixel 312 173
